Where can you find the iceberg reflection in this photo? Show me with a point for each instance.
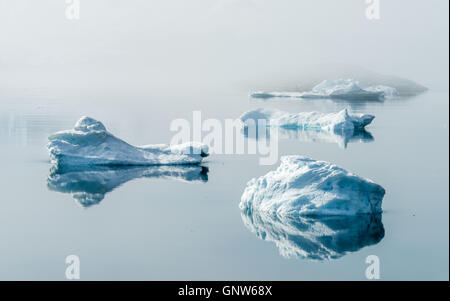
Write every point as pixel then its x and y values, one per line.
pixel 89 186
pixel 318 238
pixel 310 135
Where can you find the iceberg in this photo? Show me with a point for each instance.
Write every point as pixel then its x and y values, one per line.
pixel 338 123
pixel 340 128
pixel 348 89
pixel 89 186
pixel 90 144
pixel 309 75
pixel 305 187
pixel 317 239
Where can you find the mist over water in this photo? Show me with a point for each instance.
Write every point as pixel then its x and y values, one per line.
pixel 147 46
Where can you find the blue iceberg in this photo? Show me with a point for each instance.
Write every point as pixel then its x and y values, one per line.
pixel 341 123
pixel 305 187
pixel 90 144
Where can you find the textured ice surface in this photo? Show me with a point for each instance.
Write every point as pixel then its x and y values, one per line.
pixel 340 88
pixel 304 187
pixel 333 122
pixel 317 238
pixel 89 143
pixel 89 186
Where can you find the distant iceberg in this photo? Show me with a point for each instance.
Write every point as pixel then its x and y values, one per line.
pixel 341 122
pixel 89 186
pixel 90 144
pixel 340 89
pixel 304 187
pixel 319 238
pixel 307 76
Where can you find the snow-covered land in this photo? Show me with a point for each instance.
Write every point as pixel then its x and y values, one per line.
pixel 340 88
pixel 89 186
pixel 305 187
pixel 90 144
pixel 339 123
pixel 321 238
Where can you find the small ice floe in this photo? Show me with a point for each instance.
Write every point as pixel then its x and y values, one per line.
pixel 316 238
pixel 340 128
pixel 305 187
pixel 90 144
pixel 338 123
pixel 340 89
pixel 89 186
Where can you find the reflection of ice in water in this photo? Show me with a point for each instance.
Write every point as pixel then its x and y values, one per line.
pixel 89 186
pixel 318 238
pixel 326 104
pixel 315 135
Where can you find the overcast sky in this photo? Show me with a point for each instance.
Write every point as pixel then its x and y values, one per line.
pixel 207 42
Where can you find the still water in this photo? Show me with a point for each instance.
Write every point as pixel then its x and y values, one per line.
pixel 153 224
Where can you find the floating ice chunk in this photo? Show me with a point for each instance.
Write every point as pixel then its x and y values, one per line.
pixel 341 122
pixel 320 238
pixel 304 187
pixel 340 128
pixel 340 88
pixel 89 143
pixel 89 186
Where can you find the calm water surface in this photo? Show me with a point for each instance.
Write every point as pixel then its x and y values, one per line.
pixel 164 225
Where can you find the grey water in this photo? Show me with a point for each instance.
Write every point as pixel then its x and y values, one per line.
pixel 138 224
